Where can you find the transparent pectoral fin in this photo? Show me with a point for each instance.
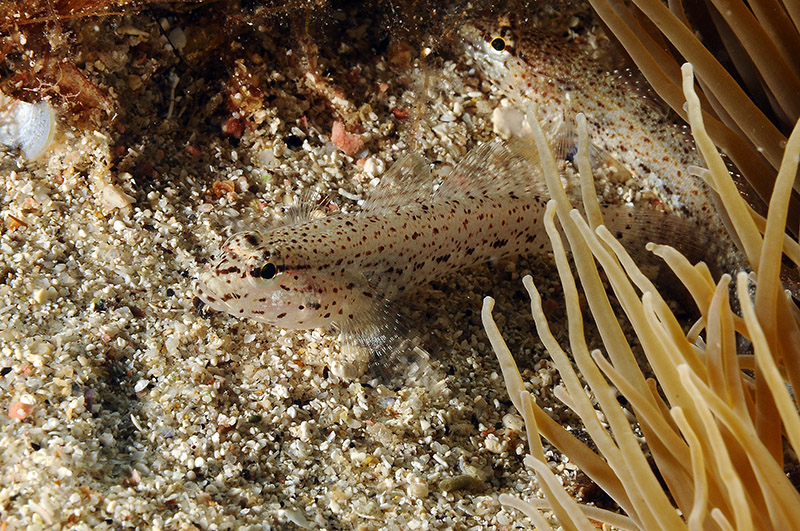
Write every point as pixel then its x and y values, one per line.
pixel 495 169
pixel 391 349
pixel 565 147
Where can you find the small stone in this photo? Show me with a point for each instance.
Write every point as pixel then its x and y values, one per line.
pixel 113 197
pixel 178 38
pixel 513 422
pixel 495 445
pixel 507 121
pixel 20 410
pixel 233 127
pixel 417 488
pixel 349 143
pixel 45 294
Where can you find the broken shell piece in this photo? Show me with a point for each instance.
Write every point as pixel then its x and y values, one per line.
pixel 508 121
pixel 112 197
pixel 27 126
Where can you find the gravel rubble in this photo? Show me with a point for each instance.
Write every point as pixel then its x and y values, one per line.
pixel 147 411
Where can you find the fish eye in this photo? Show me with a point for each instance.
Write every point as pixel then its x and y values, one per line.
pixel 498 44
pixel 266 271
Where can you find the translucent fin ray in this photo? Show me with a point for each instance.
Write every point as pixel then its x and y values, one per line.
pixel 496 168
pixel 408 180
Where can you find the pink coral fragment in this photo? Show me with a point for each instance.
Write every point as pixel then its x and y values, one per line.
pixel 349 143
pixel 20 410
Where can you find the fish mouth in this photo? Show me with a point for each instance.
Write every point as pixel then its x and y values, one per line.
pixel 206 293
pixel 217 291
pixel 240 299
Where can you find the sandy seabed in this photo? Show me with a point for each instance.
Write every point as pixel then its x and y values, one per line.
pixel 146 411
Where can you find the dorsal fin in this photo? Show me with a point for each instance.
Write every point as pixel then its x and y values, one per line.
pixel 495 168
pixel 408 180
pixel 310 205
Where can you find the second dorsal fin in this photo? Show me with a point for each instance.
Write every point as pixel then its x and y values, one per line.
pixel 495 168
pixel 408 180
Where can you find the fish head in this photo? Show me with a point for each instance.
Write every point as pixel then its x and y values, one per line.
pixel 516 59
pixel 491 41
pixel 258 276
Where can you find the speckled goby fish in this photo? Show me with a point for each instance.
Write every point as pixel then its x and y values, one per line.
pixel 561 76
pixel 313 273
pixel 346 269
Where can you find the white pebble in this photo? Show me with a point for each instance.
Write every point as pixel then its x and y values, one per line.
pixel 417 488
pixel 503 519
pixel 297 518
pixel 513 422
pixel 357 456
pixel 178 38
pixel 113 197
pixel 507 121
pixel 495 445
pixel 171 344
pixel 266 158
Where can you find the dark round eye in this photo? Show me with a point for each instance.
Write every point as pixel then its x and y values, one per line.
pixel 266 271
pixel 498 43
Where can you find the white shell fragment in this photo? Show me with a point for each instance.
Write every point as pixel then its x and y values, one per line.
pixel 112 197
pixel 27 126
pixel 508 121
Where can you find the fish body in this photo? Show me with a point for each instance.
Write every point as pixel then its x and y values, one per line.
pixel 334 269
pixel 326 270
pixel 345 269
pixel 562 77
